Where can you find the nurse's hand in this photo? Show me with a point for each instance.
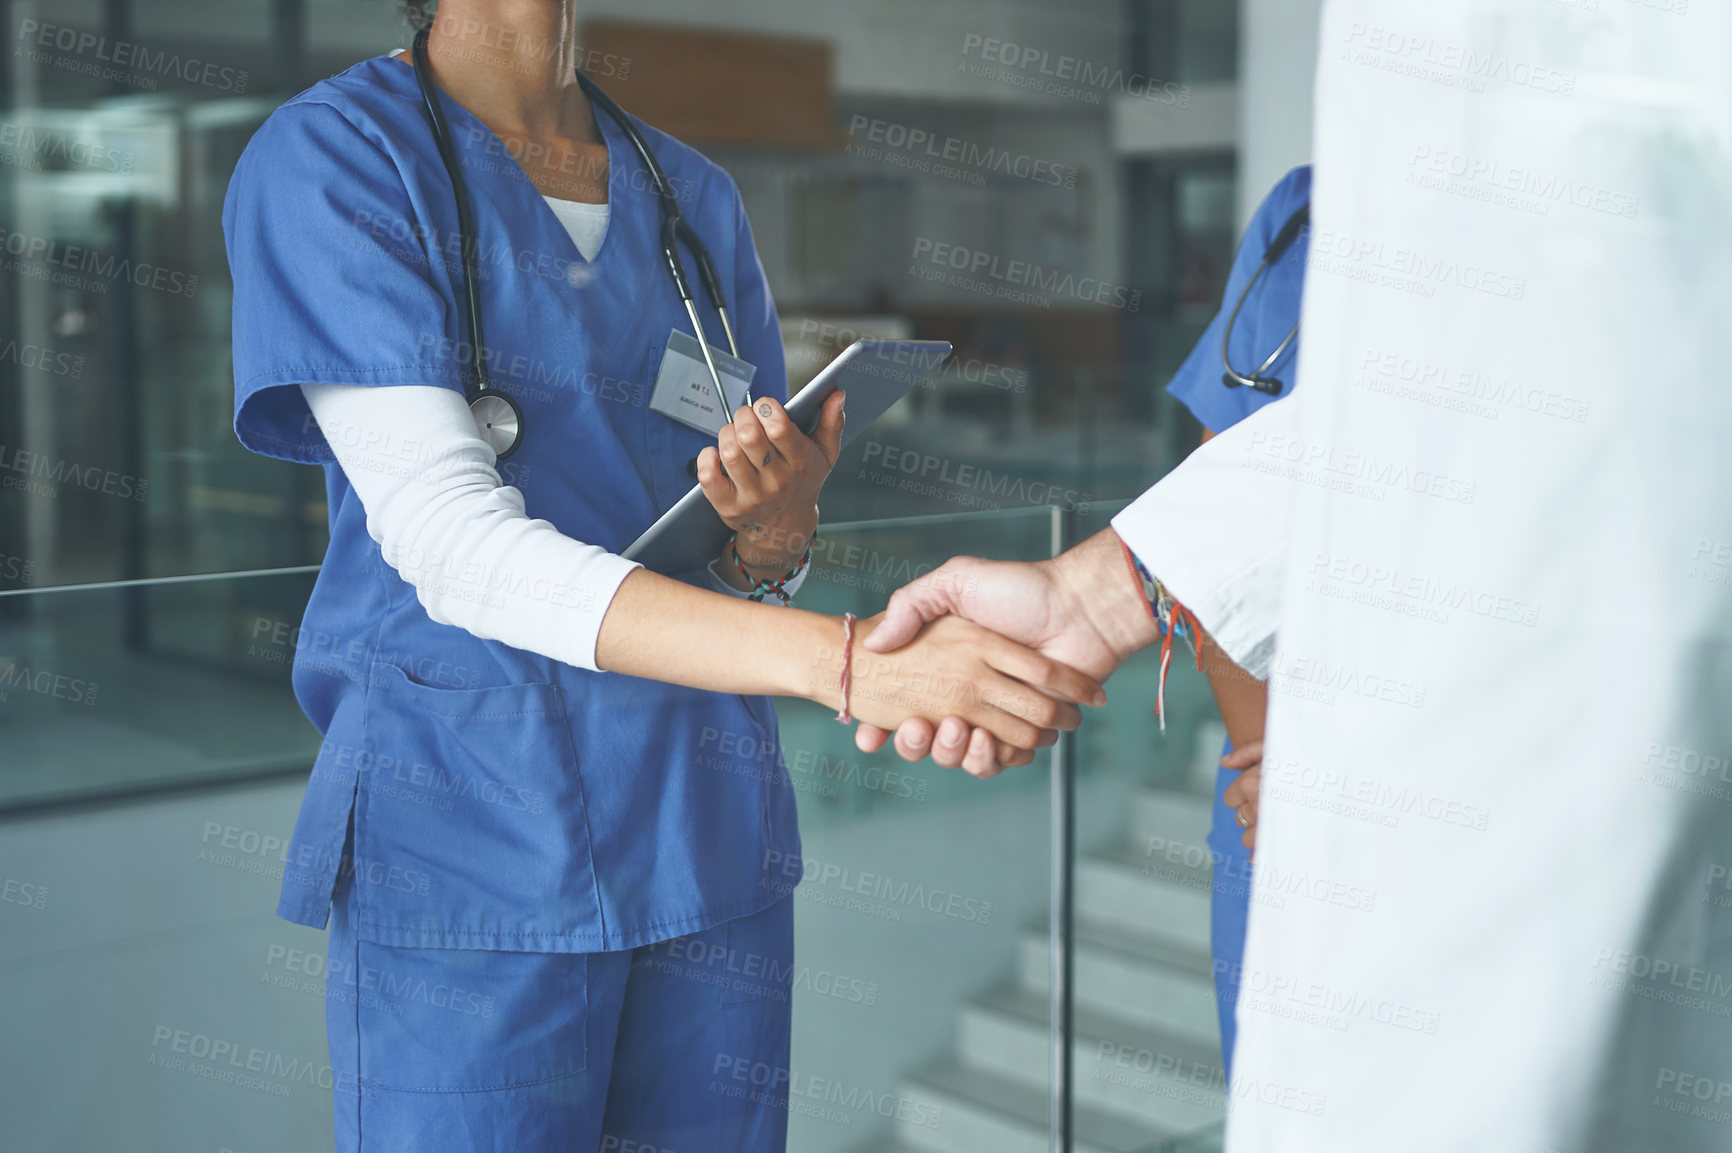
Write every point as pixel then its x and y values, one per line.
pixel 956 668
pixel 1241 795
pixel 763 477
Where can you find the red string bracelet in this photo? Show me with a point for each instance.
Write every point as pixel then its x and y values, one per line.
pixel 843 717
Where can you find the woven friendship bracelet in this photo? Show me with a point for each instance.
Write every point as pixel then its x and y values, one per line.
pixel 1170 617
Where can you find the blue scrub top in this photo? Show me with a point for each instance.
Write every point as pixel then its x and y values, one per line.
pixel 499 799
pixel 1263 323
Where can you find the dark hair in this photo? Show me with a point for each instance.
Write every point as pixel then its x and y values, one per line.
pixel 419 13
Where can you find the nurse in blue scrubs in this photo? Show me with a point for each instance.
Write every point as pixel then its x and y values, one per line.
pixel 1269 312
pixel 549 826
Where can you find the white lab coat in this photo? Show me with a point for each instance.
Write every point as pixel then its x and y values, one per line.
pixel 1486 550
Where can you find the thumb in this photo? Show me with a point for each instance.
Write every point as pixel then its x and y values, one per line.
pixel 869 738
pixel 912 605
pixel 828 434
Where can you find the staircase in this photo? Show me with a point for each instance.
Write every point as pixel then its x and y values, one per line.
pixel 1147 1052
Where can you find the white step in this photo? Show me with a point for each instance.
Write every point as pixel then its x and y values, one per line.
pixel 1148 980
pixel 1168 1082
pixel 978 1112
pixel 1126 888
pixel 1168 816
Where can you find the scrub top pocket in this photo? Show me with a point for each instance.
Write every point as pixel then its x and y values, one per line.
pixel 471 828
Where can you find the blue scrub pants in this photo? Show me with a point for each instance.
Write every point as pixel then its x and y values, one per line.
pixel 681 1045
pixel 1229 908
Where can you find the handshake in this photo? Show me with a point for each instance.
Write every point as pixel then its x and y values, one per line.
pixel 979 663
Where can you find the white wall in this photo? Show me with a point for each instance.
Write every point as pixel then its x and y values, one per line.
pixel 1277 70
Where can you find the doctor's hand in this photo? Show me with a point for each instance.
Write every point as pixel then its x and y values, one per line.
pixel 951 667
pixel 1241 795
pixel 1080 608
pixel 763 477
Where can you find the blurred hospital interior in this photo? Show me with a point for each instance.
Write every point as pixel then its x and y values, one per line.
pixel 1056 189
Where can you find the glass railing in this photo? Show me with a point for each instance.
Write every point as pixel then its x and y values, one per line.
pixel 966 1026
pixel 135 687
pixel 923 886
pixel 921 994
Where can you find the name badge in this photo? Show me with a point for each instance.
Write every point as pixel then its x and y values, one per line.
pixel 685 392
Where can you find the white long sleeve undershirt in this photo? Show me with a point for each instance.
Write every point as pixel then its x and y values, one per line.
pixel 452 528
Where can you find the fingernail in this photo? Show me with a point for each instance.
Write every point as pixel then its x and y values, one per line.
pixel 1100 698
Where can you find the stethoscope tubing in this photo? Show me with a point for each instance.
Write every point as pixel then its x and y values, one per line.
pixel 477 384
pixel 1232 378
pixel 475 368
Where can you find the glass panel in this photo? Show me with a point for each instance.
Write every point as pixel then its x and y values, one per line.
pixel 114 431
pixel 138 950
pixel 921 923
pixel 121 690
pixel 923 909
pixel 1147 1049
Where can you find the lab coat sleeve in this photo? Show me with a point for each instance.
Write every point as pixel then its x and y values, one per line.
pixel 1214 532
pixel 449 503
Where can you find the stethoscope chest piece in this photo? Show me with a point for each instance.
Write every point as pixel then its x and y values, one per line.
pixel 499 420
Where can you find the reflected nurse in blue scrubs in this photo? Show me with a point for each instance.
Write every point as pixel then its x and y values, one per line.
pixel 549 825
pixel 1244 360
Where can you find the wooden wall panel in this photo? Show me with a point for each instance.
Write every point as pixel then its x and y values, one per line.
pixel 703 85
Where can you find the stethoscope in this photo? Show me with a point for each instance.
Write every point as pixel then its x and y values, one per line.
pixel 1277 249
pixel 496 413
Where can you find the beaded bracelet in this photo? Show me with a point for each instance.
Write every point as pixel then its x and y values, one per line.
pixel 761 588
pixel 1170 617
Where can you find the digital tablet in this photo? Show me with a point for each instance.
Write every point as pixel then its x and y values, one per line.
pixel 874 373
